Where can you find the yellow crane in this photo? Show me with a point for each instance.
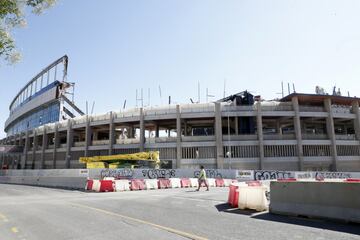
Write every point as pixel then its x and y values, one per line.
pixel 122 160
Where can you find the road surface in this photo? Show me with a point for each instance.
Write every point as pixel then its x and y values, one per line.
pixel 33 213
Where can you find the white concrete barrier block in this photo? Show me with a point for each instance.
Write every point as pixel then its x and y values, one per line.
pixel 151 183
pixel 122 185
pixel 175 182
pixel 211 182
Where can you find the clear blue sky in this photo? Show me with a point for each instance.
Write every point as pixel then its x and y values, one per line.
pixel 115 47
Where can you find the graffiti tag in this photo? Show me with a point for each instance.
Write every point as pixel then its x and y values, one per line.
pixel 159 173
pixel 210 173
pixel 117 173
pixel 268 175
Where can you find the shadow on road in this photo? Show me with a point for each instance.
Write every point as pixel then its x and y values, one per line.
pixel 352 228
pixel 225 207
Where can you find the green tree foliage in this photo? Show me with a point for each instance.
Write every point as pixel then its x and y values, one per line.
pixel 12 15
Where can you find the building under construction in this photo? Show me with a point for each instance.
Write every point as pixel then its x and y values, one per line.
pixel 45 130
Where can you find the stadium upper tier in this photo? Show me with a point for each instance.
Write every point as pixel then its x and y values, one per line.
pixel 40 101
pixel 298 132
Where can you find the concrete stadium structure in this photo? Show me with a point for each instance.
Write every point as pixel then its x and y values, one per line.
pixel 298 132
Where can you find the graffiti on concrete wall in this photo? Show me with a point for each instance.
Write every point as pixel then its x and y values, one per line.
pixel 117 173
pixel 158 173
pixel 268 175
pixel 210 173
pixel 323 175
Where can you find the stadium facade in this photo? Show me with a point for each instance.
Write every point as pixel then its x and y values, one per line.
pixel 45 130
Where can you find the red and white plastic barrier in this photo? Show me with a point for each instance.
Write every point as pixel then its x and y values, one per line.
pixel 219 182
pixel 185 183
pixel 175 182
pixel 122 185
pixel 164 183
pixel 106 186
pixel 151 183
pixel 137 184
pixel 89 184
pixel 211 182
pixel 194 182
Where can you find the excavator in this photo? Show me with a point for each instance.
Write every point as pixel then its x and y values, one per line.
pixel 135 160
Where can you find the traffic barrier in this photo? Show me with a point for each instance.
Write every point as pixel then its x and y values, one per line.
pixel 164 183
pixel 233 195
pixel 175 182
pixel 185 183
pixel 137 184
pixel 227 182
pixel 109 178
pixel 287 180
pixel 151 183
pixel 253 183
pixel 252 198
pixel 96 185
pixel 352 180
pixel 211 182
pixel 89 184
pixel 220 182
pixel 122 185
pixel 106 186
pixel 194 182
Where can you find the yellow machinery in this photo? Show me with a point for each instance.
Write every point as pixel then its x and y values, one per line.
pixel 122 160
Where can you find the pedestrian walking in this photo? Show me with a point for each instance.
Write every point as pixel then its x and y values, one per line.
pixel 202 179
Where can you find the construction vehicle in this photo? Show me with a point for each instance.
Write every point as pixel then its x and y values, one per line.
pixel 135 160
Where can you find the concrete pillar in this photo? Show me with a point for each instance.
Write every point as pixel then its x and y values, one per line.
pixel 56 144
pixel 298 134
pixel 278 127
pixel 142 130
pixel 260 135
pixel 87 136
pixel 355 109
pixel 178 137
pixel 157 130
pixel 43 148
pixel 26 148
pixel 131 132
pixel 69 143
pixel 111 134
pixel 331 133
pixel 35 145
pixel 236 125
pixel 219 137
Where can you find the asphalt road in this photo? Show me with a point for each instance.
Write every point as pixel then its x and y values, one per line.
pixel 34 213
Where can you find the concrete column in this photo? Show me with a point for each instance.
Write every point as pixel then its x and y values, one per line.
pixel 142 130
pixel 355 109
pixel 278 127
pixel 331 133
pixel 298 134
pixel 111 134
pixel 131 132
pixel 35 145
pixel 87 136
pixel 219 137
pixel 69 143
pixel 236 125
pixel 26 148
pixel 43 148
pixel 260 135
pixel 56 144
pixel 157 130
pixel 178 137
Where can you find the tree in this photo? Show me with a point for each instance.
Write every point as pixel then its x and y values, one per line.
pixel 12 15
